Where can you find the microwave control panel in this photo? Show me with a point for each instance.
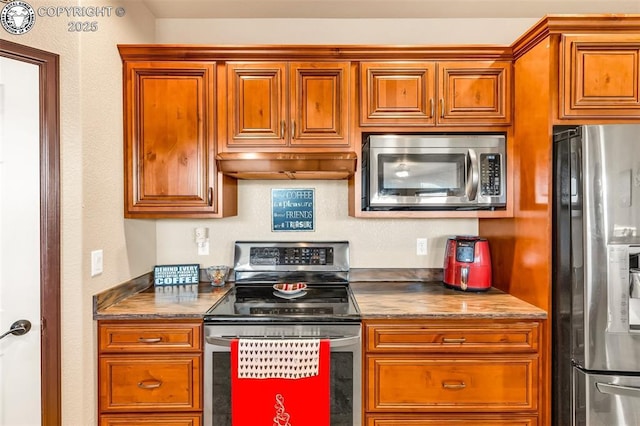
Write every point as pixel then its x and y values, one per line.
pixel 490 173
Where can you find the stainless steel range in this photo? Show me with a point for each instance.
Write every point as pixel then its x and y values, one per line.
pixel 324 307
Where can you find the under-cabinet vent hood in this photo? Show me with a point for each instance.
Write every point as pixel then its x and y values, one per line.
pixel 278 165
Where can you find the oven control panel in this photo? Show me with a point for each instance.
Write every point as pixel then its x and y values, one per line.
pixel 291 255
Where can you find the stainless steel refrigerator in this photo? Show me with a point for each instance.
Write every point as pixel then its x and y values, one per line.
pixel 596 280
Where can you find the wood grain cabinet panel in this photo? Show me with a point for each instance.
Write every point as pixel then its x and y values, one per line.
pixel 459 420
pixel 474 92
pixel 485 372
pixel 410 383
pixel 397 93
pixel 150 372
pixel 151 420
pixel 278 104
pixel 169 119
pixel 468 93
pixel 150 383
pixel 600 76
pixel 454 338
pixel 156 336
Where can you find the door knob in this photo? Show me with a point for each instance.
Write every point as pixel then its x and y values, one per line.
pixel 18 328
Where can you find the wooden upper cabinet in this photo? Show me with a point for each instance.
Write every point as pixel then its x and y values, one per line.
pixel 169 114
pixel 474 93
pixel 435 93
pixel 278 104
pixel 600 76
pixel 397 93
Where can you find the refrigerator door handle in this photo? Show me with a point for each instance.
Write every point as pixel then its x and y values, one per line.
pixel 612 389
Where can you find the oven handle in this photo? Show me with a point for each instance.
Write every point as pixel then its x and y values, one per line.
pixel 336 342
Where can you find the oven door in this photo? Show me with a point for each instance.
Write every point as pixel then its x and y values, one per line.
pixel 346 365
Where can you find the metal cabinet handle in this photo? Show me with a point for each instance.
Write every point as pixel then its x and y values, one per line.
pixel 282 128
pixel 452 340
pixel 293 129
pixel 454 385
pixel 430 107
pixel 18 328
pixel 150 339
pixel 441 108
pixel 210 195
pixel 149 384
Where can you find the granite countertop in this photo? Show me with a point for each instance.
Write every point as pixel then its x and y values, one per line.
pixel 407 300
pixel 413 299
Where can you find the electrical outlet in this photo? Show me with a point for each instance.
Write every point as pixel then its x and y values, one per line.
pixel 96 262
pixel 421 246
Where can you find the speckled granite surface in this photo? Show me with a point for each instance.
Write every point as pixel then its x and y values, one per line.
pixel 406 300
pixel 388 293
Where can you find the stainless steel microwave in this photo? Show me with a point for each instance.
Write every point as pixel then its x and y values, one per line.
pixel 434 172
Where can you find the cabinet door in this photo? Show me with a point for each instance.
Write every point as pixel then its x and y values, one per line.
pixel 451 420
pixel 149 336
pixel 153 383
pixel 256 110
pixel 474 93
pixel 319 102
pixel 397 93
pixel 600 76
pixel 413 383
pixel 148 419
pixel 169 139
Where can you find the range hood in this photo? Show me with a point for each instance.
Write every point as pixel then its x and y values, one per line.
pixel 289 165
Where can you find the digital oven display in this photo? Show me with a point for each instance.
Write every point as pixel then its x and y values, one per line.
pixel 291 255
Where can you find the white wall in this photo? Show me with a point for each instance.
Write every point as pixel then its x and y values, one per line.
pixel 342 31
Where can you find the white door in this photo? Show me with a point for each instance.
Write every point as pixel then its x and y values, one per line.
pixel 19 242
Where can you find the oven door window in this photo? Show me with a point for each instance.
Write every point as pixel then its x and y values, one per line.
pixel 421 175
pixel 341 389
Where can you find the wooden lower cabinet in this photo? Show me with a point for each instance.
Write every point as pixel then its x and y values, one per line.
pixel 458 420
pixel 150 372
pixel 447 372
pixel 151 419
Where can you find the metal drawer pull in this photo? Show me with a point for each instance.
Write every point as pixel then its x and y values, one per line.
pixel 150 339
pixel 450 340
pixel 453 385
pixel 149 384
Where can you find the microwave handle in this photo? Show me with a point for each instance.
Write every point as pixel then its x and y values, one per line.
pixel 473 175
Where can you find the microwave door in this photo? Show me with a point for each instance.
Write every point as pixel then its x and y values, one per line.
pixel 421 179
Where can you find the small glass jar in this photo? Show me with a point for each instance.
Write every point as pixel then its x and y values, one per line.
pixel 217 275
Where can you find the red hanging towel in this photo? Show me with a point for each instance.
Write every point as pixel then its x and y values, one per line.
pixel 280 382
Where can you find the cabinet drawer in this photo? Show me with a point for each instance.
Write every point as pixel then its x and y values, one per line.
pixel 490 383
pixel 153 336
pixel 457 338
pixel 450 420
pixel 150 383
pixel 151 419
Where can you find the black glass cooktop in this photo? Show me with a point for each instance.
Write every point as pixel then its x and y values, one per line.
pixel 262 303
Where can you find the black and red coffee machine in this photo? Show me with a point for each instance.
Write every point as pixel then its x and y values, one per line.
pixel 467 263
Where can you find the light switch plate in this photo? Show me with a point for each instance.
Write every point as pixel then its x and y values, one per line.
pixel 96 262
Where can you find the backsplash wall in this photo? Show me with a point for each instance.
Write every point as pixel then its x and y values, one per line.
pixel 374 243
